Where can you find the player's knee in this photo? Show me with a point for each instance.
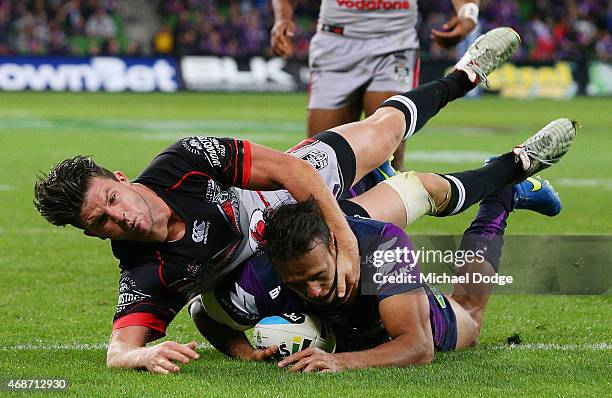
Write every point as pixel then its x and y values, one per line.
pixel 388 125
pixel 437 187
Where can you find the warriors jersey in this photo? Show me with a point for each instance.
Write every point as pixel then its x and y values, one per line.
pixel 367 19
pixel 201 180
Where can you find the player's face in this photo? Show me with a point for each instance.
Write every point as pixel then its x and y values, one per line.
pixel 117 210
pixel 313 276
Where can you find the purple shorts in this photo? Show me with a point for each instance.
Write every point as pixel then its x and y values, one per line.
pixel 442 319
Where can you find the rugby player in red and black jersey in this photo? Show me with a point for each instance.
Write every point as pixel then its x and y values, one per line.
pixel 195 212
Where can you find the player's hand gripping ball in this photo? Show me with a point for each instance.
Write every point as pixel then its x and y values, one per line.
pixel 293 332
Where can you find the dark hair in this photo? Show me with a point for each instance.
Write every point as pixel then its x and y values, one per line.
pixel 292 230
pixel 59 195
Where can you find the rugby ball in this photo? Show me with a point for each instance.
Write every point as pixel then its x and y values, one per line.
pixel 293 332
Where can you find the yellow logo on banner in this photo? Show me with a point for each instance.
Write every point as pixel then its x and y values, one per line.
pixel 534 82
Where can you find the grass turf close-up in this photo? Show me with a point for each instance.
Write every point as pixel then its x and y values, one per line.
pixel 59 288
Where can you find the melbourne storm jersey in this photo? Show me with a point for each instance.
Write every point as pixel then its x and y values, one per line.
pixel 366 19
pixel 253 291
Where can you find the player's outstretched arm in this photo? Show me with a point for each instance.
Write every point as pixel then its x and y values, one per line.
pixel 231 342
pixel 127 349
pixel 281 35
pixel 459 26
pixel 406 318
pixel 272 170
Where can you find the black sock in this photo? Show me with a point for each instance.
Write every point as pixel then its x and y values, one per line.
pixel 486 233
pixel 420 104
pixel 352 209
pixel 470 187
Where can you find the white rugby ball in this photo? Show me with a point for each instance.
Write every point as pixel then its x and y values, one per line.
pixel 293 332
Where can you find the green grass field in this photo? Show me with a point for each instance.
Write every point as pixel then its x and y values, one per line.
pixel 58 289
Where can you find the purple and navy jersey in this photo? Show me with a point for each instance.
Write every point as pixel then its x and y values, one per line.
pixel 254 291
pixel 194 176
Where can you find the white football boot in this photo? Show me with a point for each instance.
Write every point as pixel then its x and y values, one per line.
pixel 488 52
pixel 546 147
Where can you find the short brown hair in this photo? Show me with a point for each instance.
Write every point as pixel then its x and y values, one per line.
pixel 59 195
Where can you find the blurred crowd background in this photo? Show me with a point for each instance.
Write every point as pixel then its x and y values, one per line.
pixel 551 29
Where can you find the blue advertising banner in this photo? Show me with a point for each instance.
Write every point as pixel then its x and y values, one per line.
pixel 112 74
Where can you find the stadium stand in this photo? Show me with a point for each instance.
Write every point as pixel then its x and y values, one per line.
pixel 551 29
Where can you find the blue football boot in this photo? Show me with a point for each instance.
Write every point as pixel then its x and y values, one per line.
pixel 537 195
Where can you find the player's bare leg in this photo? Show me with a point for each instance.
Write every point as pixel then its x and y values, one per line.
pixel 372 100
pixel 325 119
pixel 486 233
pixel 449 194
pixel 430 190
pixel 374 139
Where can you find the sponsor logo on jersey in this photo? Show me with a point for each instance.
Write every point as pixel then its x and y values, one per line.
pixel 200 231
pixel 193 145
pixel 194 268
pixel 317 158
pixel 211 146
pixel 256 230
pixel 274 293
pixel 237 314
pixel 243 300
pixel 215 193
pixel 128 294
pixel 369 5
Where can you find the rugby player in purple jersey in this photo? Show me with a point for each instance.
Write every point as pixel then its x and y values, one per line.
pixel 395 322
pixel 195 213
pixel 364 52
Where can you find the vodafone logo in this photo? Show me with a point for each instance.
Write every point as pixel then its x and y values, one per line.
pixel 369 5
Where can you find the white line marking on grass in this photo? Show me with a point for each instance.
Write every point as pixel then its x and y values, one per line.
pixel 69 346
pixel 446 156
pixel 554 347
pixel 600 183
pixel 6 188
pixel 464 130
pixel 254 136
pixel 185 126
pixel 512 347
pixel 43 347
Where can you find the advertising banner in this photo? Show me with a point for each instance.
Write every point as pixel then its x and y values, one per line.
pixel 113 74
pixel 256 74
pixel 534 81
pixel 600 80
pixel 560 80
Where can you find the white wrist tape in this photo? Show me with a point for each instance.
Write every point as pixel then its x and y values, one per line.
pixel 469 11
pixel 417 200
